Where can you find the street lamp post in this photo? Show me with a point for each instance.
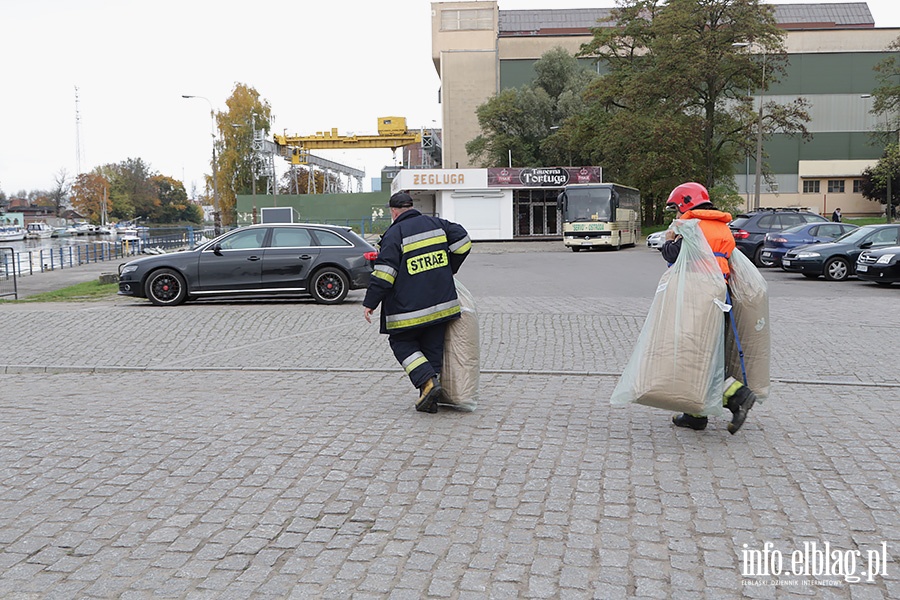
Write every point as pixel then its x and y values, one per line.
pixel 253 144
pixel 217 216
pixel 759 128
pixel 759 137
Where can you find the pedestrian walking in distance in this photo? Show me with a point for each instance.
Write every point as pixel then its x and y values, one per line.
pixel 413 283
pixel 836 215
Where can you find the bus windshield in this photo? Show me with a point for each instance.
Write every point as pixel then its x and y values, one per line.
pixel 588 204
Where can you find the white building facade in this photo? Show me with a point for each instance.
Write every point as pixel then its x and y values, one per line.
pixel 497 203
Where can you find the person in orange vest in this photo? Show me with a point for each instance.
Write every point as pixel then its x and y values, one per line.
pixel 692 201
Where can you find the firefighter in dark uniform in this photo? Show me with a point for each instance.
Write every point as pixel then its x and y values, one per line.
pixel 413 282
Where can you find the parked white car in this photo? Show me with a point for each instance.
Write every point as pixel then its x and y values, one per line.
pixel 656 240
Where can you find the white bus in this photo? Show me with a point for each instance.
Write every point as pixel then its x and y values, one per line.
pixel 600 214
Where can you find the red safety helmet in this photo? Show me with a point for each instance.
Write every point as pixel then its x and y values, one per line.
pixel 687 196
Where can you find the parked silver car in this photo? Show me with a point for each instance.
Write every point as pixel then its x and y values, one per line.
pixel 657 239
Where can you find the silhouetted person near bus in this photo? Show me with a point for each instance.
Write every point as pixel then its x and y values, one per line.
pixel 413 283
pixel 692 202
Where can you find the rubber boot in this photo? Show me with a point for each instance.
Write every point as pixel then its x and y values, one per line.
pixel 429 394
pixel 690 421
pixel 739 399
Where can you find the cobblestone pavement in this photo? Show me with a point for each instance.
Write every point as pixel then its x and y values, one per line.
pixel 270 450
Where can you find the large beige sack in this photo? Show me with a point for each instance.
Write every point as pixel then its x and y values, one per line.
pixel 679 360
pixel 750 307
pixel 462 355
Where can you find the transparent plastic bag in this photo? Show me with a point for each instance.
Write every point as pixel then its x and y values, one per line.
pixel 678 362
pixel 750 307
pixel 462 355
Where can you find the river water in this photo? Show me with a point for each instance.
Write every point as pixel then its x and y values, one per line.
pixel 29 245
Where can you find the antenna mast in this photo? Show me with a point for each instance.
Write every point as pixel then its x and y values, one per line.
pixel 77 135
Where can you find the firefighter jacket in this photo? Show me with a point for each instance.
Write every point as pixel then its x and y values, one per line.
pixel 413 276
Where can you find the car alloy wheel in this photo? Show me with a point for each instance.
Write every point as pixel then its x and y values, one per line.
pixel 837 269
pixel 165 287
pixel 329 286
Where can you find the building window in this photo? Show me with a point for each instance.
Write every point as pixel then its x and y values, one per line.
pixel 811 186
pixel 474 18
pixel 835 186
pixel 857 186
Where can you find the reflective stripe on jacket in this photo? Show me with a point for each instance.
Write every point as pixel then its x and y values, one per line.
pixel 413 276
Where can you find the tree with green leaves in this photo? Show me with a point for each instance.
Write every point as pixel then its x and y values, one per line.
pixel 674 105
pixel 875 179
pixel 886 105
pixel 887 93
pixel 516 122
pixel 235 154
pixel 174 206
pixel 130 191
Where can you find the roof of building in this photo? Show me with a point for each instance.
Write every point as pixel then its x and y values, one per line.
pixel 551 21
pixel 844 14
pixel 579 21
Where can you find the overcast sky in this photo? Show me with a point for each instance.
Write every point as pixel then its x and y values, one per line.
pixel 341 63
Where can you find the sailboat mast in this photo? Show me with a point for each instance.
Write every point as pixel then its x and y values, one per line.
pixel 103 206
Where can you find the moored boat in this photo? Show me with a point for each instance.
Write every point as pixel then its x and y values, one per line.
pixel 11 233
pixel 38 230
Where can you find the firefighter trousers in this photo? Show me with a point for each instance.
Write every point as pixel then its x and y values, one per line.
pixel 420 351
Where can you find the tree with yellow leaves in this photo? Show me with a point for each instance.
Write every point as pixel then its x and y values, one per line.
pixel 246 114
pixel 89 192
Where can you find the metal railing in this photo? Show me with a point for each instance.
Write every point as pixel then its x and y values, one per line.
pixel 8 286
pixel 30 262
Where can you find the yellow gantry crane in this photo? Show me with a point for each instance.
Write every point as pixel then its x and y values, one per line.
pixel 392 133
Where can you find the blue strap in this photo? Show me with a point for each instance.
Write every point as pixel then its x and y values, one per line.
pixel 725 256
pixel 734 330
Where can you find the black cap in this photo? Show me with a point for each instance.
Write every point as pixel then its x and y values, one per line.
pixel 400 200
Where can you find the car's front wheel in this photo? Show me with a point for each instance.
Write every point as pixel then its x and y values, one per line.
pixel 837 269
pixel 165 287
pixel 329 286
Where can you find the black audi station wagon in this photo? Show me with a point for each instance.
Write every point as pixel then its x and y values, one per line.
pixel 322 261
